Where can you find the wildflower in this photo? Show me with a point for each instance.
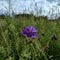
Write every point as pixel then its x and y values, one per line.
pixel 30 42
pixel 29 31
pixel 53 37
pixel 43 34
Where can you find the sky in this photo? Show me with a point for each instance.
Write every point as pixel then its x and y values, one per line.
pixel 49 8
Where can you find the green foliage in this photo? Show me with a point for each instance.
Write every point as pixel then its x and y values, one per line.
pixel 14 46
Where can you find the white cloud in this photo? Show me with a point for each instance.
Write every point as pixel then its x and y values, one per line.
pixel 3 7
pixel 19 6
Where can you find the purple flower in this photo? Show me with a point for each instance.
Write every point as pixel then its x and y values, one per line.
pixel 29 31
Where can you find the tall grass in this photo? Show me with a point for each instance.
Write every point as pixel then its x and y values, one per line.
pixel 14 46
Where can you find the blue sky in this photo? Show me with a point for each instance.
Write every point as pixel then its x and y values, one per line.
pixel 19 6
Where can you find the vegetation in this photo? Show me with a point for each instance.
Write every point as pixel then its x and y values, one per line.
pixel 14 46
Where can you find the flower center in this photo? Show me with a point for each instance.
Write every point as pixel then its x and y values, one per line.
pixel 31 32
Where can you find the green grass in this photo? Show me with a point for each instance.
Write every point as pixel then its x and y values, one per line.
pixel 14 46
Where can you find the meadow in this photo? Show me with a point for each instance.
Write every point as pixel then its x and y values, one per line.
pixel 15 46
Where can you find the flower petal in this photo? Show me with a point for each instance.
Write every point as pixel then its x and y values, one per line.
pixel 29 35
pixel 34 35
pixel 31 28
